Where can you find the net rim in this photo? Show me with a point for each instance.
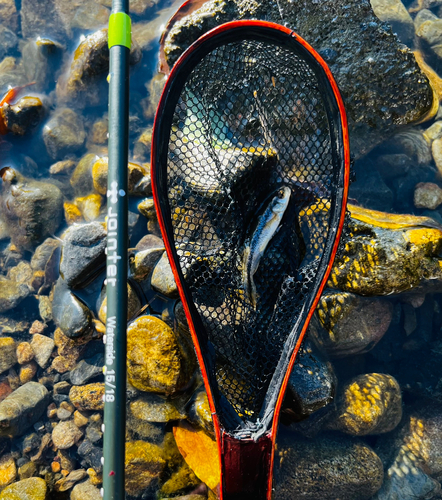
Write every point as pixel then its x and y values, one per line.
pixel 247 29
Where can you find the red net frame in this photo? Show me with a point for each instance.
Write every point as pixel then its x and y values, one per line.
pixel 246 456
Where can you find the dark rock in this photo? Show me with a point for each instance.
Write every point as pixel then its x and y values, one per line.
pixel 30 442
pixel 33 210
pixel 83 253
pixel 46 258
pixel 64 134
pixel 87 369
pixel 23 116
pixel 93 434
pixel 312 383
pixel 70 314
pixel 369 190
pixel 327 468
pixel 369 60
pixel 62 387
pixel 22 408
pixel 91 454
pixel 347 324
pixel 393 165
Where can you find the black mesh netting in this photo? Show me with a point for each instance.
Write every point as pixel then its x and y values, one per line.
pixel 251 186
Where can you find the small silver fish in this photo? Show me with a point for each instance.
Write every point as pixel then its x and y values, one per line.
pixel 267 226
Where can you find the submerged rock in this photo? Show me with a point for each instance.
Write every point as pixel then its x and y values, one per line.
pixel 85 491
pixel 412 456
pixel 327 468
pixel 23 116
pixel 83 253
pixel 427 195
pixel 346 324
pixel 22 408
pixel 163 279
pixel 33 488
pixel 157 361
pixel 8 355
pixel 367 58
pixel 369 404
pixel 64 134
pixel 395 14
pixel 138 178
pixel 87 397
pixel 312 383
pixel 11 293
pixel 70 314
pixel 387 253
pixel 144 464
pixel 91 60
pixel 32 210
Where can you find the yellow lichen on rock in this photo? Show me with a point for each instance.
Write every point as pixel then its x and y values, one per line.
pixel 8 471
pixel 387 253
pixel 144 464
pixel 369 404
pixel 435 83
pixel 157 359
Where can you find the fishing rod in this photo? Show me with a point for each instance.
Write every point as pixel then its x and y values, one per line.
pixel 116 260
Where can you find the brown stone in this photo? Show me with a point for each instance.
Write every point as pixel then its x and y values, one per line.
pixel 87 397
pixel 24 353
pixel 157 360
pixel 27 372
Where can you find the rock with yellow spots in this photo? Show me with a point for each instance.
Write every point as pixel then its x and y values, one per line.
pixel 412 456
pixel 8 471
pixel 158 360
pixel 144 464
pixel 388 253
pixel 368 404
pixel 346 324
pixel 327 468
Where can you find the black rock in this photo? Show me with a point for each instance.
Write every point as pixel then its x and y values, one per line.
pixel 91 454
pixel 312 384
pixel 70 314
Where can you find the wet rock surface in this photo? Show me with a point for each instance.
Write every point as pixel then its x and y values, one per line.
pixel 326 469
pixel 83 253
pixel 396 69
